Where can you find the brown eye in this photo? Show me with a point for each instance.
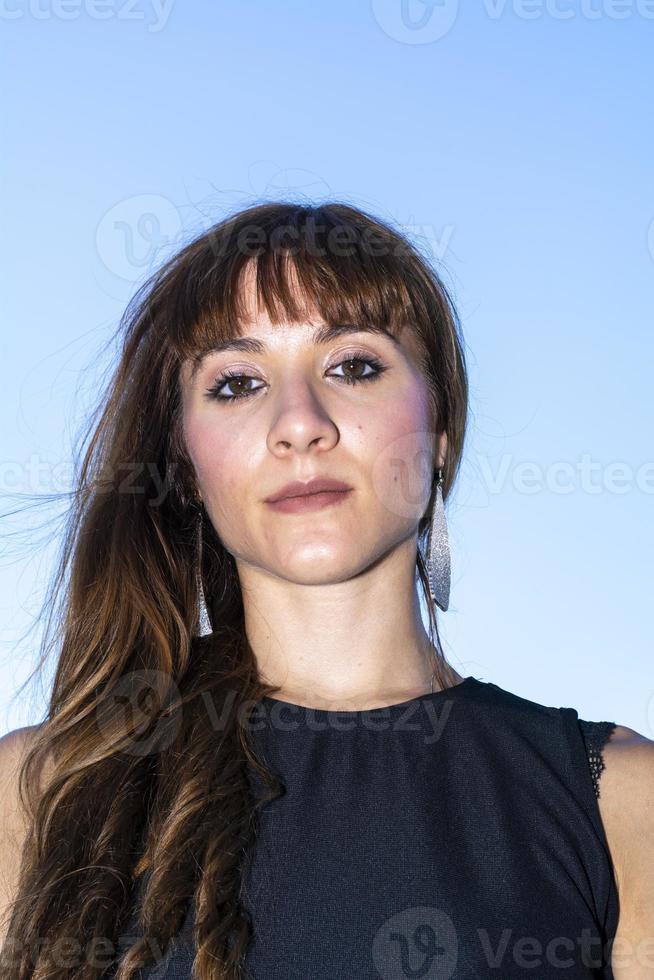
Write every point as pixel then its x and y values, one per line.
pixel 355 365
pixel 233 381
pixel 360 359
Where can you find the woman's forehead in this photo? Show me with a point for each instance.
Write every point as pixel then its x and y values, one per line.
pixel 265 293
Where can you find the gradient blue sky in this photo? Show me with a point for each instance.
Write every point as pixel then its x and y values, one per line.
pixel 512 141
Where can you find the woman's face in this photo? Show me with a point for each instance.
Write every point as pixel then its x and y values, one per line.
pixel 300 419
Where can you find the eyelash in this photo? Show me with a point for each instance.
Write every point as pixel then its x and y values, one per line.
pixel 228 376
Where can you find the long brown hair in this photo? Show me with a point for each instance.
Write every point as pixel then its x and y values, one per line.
pixel 159 787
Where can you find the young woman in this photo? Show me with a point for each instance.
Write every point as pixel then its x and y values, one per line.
pixel 256 762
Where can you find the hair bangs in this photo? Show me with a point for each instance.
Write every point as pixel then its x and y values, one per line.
pixel 300 271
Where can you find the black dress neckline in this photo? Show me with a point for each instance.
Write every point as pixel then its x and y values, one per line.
pixel 430 697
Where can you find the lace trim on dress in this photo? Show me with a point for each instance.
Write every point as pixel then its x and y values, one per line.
pixel 595 735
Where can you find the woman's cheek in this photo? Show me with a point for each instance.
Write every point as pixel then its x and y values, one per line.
pixel 408 422
pixel 402 467
pixel 206 454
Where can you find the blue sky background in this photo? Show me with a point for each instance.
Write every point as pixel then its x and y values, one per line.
pixel 512 141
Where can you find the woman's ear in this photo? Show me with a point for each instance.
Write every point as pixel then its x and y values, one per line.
pixel 441 450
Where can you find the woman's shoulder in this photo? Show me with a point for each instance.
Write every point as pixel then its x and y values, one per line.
pixel 627 786
pixel 628 782
pixel 14 746
pixel 627 810
pixel 622 756
pixel 13 743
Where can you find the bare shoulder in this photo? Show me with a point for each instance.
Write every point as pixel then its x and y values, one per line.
pixel 626 788
pixel 13 749
pixel 627 809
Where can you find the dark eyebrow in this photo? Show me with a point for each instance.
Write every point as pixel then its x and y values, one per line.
pixel 322 335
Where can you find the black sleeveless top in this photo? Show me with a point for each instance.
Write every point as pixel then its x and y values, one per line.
pixel 456 834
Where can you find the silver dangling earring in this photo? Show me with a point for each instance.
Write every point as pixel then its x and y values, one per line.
pixel 203 621
pixel 438 551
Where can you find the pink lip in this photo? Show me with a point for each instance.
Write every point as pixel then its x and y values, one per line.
pixel 308 501
pixel 318 484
